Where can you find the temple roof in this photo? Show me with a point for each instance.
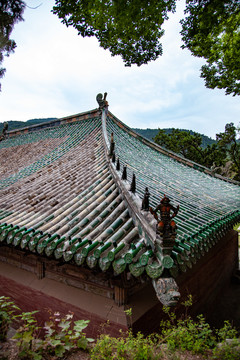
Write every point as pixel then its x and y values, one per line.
pixel 63 197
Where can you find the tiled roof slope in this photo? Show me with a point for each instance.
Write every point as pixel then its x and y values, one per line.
pixel 209 205
pixel 64 203
pixel 62 198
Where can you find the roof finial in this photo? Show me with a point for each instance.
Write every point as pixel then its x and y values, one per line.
pixel 145 201
pixel 113 157
pixel 118 165
pixel 112 145
pixel 124 173
pixel 133 184
pixel 102 102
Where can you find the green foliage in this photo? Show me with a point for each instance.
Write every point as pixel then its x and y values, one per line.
pixel 181 335
pixel 194 336
pixel 8 308
pixel 228 347
pixel 189 145
pixel 226 332
pixel 61 336
pixel 211 31
pixel 152 133
pixel 197 336
pixel 131 29
pixel 127 346
pixel 27 337
pixel 178 337
pixel 229 350
pixel 228 141
pixel 10 13
pixel 147 133
pixel 181 142
pixel 7 314
pixel 237 228
pixel 128 312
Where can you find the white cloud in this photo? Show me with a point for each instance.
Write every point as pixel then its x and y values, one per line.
pixel 55 72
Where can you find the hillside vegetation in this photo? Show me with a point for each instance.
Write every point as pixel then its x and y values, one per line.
pixel 15 124
pixel 150 134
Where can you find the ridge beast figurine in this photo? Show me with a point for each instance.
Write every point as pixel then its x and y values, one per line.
pixel 112 146
pixel 102 102
pixel 166 226
pixel 145 201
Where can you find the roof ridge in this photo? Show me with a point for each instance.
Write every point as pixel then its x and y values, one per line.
pixel 59 121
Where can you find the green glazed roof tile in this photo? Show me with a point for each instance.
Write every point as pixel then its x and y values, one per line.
pixel 64 202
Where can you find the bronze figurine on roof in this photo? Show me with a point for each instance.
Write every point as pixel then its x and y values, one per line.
pixel 166 226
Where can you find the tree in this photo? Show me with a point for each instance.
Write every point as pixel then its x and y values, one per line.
pixel 223 156
pixel 211 31
pixel 228 140
pixel 10 13
pixel 190 146
pixel 133 29
pixel 130 28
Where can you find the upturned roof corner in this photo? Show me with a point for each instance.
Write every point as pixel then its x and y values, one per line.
pixel 87 191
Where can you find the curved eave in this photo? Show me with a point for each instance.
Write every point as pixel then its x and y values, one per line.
pixel 64 203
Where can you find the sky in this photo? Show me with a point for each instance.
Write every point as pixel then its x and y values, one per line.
pixel 54 72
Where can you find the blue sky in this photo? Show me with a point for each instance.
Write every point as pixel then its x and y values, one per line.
pixel 55 73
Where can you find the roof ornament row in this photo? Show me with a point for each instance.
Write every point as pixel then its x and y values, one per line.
pixel 166 288
pixel 163 213
pixel 124 173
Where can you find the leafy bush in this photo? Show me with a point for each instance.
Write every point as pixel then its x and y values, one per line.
pixel 197 337
pixel 177 335
pixel 29 346
pixel 226 332
pixel 194 336
pixel 7 315
pixel 229 350
pixel 61 336
pixel 125 347
pixel 228 347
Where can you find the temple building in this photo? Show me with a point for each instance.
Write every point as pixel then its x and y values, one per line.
pixel 96 219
